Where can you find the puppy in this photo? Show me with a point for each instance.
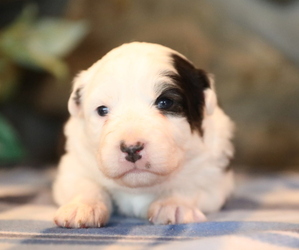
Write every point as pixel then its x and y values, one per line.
pixel 146 137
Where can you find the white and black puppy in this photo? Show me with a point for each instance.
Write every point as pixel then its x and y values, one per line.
pixel 147 137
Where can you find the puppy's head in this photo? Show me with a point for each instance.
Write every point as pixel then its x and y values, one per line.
pixel 140 105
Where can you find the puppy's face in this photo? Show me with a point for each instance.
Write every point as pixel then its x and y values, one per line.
pixel 140 105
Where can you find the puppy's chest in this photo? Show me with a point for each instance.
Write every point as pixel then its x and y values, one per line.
pixel 132 204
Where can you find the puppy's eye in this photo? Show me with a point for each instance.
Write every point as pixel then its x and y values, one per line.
pixel 164 103
pixel 102 110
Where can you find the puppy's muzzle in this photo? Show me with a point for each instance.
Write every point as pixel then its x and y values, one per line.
pixel 132 151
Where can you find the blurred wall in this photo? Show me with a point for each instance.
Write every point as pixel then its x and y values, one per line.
pixel 258 86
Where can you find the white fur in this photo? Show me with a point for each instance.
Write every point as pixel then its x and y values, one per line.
pixel 186 177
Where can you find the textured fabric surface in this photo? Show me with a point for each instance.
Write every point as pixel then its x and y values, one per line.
pixel 262 214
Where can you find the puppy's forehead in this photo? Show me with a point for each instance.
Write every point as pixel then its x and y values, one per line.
pixel 133 65
pixel 132 52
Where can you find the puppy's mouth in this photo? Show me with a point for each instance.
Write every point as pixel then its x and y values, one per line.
pixel 138 171
pixel 139 177
pixel 134 171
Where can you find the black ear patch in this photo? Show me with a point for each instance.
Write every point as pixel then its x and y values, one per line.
pixel 77 96
pixel 192 82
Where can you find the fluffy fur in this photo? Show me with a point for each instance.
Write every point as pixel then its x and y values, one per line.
pixel 146 137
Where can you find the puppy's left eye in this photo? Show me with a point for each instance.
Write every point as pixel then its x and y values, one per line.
pixel 102 110
pixel 164 103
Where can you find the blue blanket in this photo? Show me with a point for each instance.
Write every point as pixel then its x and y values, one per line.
pixel 262 214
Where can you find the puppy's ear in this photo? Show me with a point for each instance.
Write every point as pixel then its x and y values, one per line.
pixel 76 97
pixel 210 97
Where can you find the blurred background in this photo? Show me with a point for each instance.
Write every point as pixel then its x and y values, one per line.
pixel 252 48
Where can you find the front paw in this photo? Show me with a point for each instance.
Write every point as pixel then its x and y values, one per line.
pixel 173 211
pixel 79 214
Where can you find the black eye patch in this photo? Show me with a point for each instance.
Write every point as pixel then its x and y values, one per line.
pixel 187 89
pixel 170 102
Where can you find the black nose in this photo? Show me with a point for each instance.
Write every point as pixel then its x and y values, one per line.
pixel 132 151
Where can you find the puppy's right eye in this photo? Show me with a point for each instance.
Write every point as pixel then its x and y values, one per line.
pixel 170 102
pixel 164 103
pixel 102 110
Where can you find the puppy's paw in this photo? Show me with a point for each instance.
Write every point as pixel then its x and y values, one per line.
pixel 173 211
pixel 78 214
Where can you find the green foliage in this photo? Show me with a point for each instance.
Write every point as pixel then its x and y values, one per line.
pixel 34 43
pixel 37 44
pixel 11 149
